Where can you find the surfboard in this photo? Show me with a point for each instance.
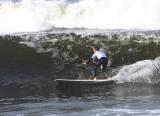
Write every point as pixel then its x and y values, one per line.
pixel 69 87
pixel 80 82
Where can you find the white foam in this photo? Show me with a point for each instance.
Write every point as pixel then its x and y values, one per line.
pixel 141 71
pixel 35 15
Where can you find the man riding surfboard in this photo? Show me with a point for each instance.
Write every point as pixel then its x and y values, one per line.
pixel 99 60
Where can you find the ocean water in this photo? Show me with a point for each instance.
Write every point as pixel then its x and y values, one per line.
pixel 123 100
pixel 30 62
pixel 44 40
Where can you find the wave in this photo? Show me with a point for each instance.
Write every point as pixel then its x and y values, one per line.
pixel 37 15
pixel 30 63
pixel 145 71
pixel 56 56
pixel 22 64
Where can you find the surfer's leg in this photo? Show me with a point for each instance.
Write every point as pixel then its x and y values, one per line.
pixel 103 67
pixel 104 64
pixel 94 72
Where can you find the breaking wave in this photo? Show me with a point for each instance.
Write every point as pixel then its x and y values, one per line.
pixel 29 63
pixel 146 71
pixel 36 15
pixel 31 57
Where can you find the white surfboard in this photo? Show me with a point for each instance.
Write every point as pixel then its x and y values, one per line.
pixel 98 81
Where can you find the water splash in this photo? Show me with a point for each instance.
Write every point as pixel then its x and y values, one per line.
pixel 36 15
pixel 146 71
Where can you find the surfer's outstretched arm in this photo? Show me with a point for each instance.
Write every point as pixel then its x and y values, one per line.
pixel 87 61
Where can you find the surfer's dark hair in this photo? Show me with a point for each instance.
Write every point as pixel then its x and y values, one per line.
pixel 97 47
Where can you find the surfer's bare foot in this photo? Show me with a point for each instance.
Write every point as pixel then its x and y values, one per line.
pixel 92 78
pixel 109 78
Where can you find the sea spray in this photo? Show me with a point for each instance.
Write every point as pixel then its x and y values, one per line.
pixel 156 71
pixel 139 72
pixel 145 71
pixel 36 15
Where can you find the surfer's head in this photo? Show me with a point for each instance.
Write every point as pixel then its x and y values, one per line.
pixel 95 48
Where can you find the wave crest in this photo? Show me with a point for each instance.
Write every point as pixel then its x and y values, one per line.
pixel 36 15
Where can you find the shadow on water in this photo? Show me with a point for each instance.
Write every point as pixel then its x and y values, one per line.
pixel 136 89
pixel 113 90
pixel 83 89
pixel 61 91
pixel 44 89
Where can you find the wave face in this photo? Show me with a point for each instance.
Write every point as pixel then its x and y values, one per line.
pixel 58 56
pixel 36 15
pixel 30 62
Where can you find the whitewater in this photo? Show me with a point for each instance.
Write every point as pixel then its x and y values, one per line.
pixel 40 15
pixel 44 40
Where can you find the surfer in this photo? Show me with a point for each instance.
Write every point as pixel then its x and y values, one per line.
pixel 99 60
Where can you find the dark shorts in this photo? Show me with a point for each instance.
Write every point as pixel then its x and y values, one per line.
pixel 101 63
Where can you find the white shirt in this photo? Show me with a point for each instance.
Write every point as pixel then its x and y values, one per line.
pixel 98 55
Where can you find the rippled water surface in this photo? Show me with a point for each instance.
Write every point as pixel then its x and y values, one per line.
pixel 125 99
